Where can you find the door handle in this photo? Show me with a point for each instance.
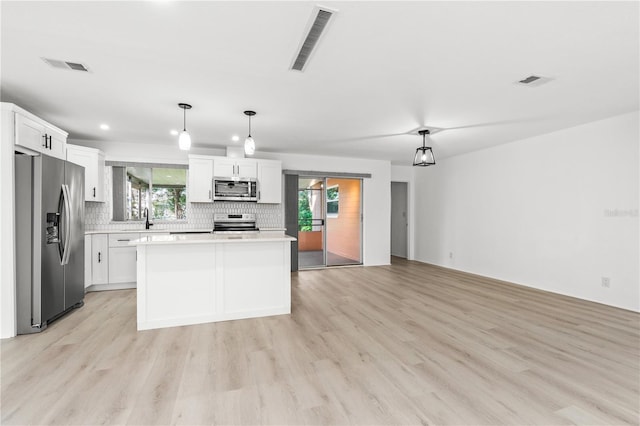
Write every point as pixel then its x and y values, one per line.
pixel 94 192
pixel 67 226
pixel 50 142
pixel 45 141
pixel 99 257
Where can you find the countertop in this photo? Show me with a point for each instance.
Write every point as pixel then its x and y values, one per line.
pixel 209 239
pixel 144 231
pixel 162 231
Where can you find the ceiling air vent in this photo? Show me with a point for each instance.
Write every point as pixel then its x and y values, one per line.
pixel 533 81
pixel 319 20
pixel 65 65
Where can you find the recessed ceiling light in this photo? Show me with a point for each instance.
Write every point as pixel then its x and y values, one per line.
pixel 235 138
pixel 174 132
pixel 104 126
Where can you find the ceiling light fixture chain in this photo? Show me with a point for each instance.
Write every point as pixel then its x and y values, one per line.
pixel 424 154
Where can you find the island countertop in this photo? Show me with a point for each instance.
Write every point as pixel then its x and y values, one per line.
pixel 208 238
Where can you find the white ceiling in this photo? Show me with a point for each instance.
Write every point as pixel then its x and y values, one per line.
pixel 382 71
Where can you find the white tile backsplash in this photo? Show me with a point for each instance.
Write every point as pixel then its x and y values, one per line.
pixel 199 215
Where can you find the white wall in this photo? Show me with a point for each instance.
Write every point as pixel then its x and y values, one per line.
pixel 555 212
pixel 7 275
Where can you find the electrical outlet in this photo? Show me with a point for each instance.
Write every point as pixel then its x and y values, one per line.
pixel 606 282
pixel 450 255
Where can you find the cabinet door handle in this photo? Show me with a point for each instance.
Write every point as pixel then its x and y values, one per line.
pixel 50 142
pixel 94 192
pixel 99 257
pixel 45 141
pixel 124 240
pixel 210 194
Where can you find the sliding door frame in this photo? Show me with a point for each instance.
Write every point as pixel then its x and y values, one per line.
pixel 291 206
pixel 325 220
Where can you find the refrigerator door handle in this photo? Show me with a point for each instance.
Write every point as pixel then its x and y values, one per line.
pixel 67 225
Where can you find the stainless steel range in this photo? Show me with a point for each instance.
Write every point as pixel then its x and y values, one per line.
pixel 224 223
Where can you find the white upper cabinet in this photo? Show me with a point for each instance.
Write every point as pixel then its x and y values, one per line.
pixel 235 167
pixel 247 168
pixel 200 179
pixel 93 162
pixel 38 136
pixel 269 181
pixel 29 133
pixel 57 146
pixel 203 168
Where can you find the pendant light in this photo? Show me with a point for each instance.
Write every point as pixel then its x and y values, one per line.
pixel 249 143
pixel 184 140
pixel 424 154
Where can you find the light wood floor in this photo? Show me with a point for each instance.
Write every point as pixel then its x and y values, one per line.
pixel 402 344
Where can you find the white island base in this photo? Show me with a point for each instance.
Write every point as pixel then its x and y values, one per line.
pixel 194 279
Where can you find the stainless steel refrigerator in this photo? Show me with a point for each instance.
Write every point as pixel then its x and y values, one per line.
pixel 49 233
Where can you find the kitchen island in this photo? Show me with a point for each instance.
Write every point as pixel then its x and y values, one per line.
pixel 198 278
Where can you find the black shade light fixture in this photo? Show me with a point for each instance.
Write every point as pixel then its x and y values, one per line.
pixel 184 141
pixel 249 143
pixel 424 154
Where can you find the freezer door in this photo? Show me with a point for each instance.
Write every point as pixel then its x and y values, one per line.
pixel 74 267
pixel 48 184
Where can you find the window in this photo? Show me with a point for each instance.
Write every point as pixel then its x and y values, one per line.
pixel 162 190
pixel 333 196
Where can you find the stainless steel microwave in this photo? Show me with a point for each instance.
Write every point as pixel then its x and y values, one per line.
pixel 235 189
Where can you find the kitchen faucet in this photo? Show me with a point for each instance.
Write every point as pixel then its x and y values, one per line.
pixel 146 223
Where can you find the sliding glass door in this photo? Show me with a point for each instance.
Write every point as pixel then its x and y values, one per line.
pixel 344 221
pixel 311 223
pixel 329 222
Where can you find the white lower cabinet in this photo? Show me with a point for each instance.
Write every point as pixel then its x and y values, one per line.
pixel 110 262
pixel 99 259
pixel 87 261
pixel 122 258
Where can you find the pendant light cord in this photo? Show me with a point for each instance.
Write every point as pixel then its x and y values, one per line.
pixel 249 126
pixel 184 120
